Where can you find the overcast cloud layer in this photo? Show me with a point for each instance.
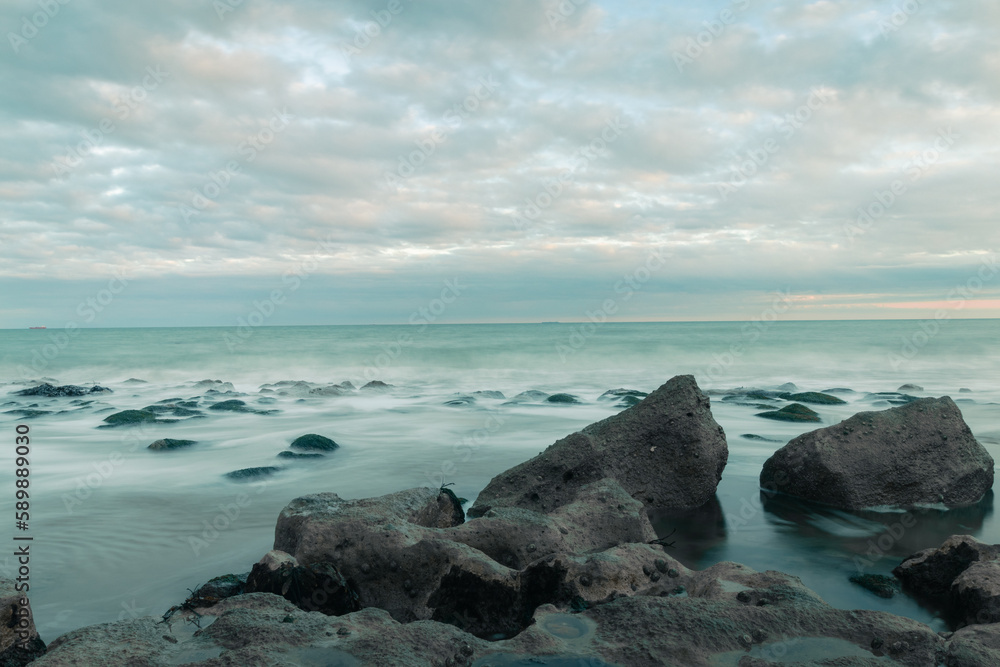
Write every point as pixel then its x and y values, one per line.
pixel 355 155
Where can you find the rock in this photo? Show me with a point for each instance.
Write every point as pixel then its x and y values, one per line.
pixel 975 593
pixel 28 413
pixel 839 390
pixel 795 412
pixel 931 572
pixel 135 381
pixel 297 455
pixel 331 390
pixel 376 385
pixel 614 394
pixel 252 473
pixel 172 409
pixel 965 390
pixel 530 396
pixel 489 394
pixel 214 385
pixel 919 453
pixel 19 640
pixel 788 386
pixel 910 387
pixel 316 587
pixel 50 391
pixel 974 646
pixel 891 397
pixel 879 584
pixel 128 417
pixel 667 451
pixel 313 443
pixel 460 401
pixel 815 398
pixel 170 444
pixel 234 405
pixel 752 436
pixel 563 398
pixel 216 589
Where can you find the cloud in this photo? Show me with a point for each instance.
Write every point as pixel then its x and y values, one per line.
pixel 407 166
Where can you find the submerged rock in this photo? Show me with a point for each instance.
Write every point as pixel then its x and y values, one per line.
pixel 297 455
pixel 489 394
pixel 753 436
pixel 311 442
pixel 920 453
pixel 879 584
pixel 129 417
pixel 236 405
pixel 252 473
pixel 563 398
pixel 50 391
pixel 530 396
pixel 376 385
pixel 667 451
pixel 171 444
pixel 815 398
pixel 614 394
pixel 910 387
pixel 795 412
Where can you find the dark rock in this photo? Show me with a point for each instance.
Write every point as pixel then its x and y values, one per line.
pixel 910 387
pixel 135 381
pixel 28 413
pixel 530 396
pixel 795 412
pixel 489 394
pixel 839 390
pixel 316 587
pixel 252 473
pixel 667 451
pixel 214 385
pixel 297 455
pixel 128 417
pixel 628 402
pixel 460 401
pixel 920 453
pixel 975 593
pixel 879 584
pixel 612 394
pixel 170 444
pixel 931 572
pixel 220 588
pixel 49 391
pixel 313 443
pixel 18 645
pixel 815 398
pixel 965 390
pixel 234 405
pixel 752 436
pixel 563 398
pixel 376 385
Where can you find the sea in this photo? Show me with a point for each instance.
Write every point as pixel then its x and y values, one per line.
pixel 120 531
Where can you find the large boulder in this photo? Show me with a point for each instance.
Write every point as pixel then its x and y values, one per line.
pixel 931 572
pixel 666 451
pixel 919 453
pixel 975 594
pixel 410 553
pixel 19 640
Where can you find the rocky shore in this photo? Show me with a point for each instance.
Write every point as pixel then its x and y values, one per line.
pixel 557 562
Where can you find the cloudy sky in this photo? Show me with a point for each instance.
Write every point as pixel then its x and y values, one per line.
pixel 179 161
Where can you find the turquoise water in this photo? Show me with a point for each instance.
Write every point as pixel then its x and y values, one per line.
pixel 122 531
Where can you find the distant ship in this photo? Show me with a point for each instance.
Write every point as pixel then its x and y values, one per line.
pixel 36 327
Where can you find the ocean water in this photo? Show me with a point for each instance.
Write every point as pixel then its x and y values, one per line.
pixel 121 531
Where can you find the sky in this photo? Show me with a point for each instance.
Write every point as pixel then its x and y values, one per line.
pixel 191 162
